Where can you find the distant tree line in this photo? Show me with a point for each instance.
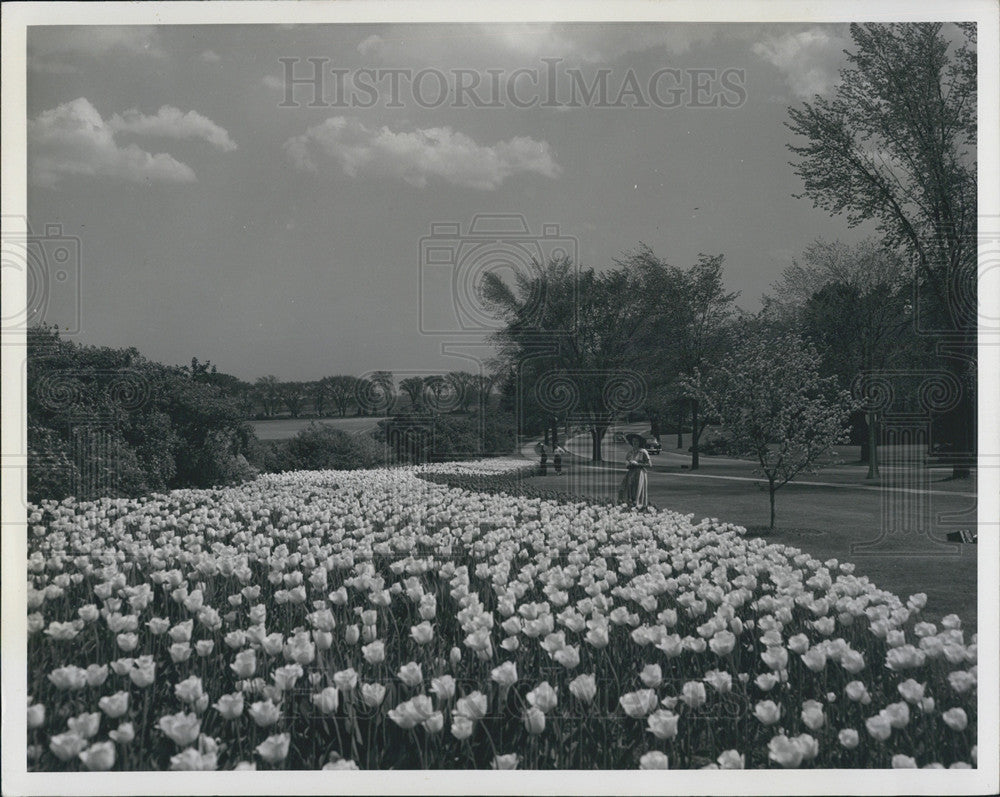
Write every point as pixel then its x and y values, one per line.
pixel 375 394
pixel 110 422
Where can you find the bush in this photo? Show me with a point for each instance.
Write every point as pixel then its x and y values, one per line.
pixel 439 438
pixel 714 442
pixel 323 447
pixel 110 467
pixel 109 422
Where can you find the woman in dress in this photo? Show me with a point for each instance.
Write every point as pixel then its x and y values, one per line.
pixel 634 487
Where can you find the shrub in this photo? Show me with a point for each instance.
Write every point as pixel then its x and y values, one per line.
pixel 323 447
pixel 438 438
pixel 715 442
pixel 105 421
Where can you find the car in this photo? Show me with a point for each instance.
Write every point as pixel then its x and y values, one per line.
pixel 649 443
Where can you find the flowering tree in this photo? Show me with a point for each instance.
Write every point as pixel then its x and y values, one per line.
pixel 769 395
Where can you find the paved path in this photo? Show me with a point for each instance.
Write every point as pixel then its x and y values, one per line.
pixel 579 447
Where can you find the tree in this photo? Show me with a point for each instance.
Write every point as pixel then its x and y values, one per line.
pixel 268 394
pixel 700 332
pixel 320 392
pixel 769 396
pixel 439 393
pixel 568 341
pixel 896 143
pixel 376 393
pixel 481 388
pixel 293 395
pixel 466 387
pixel 343 390
pixel 109 422
pixel 853 303
pixel 413 387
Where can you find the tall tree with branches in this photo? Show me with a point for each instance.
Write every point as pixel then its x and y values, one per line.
pixel 700 333
pixel 853 302
pixel 570 338
pixel 413 387
pixel 342 390
pixel 896 143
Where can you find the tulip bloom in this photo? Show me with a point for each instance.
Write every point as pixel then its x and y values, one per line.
pixel 583 688
pixel 36 716
pixel 230 706
pixel 115 705
pixel 181 728
pixel 274 749
pixel 848 738
pixel 444 687
pixel 411 674
pixel 99 757
pixel 508 761
pixel 86 725
pixel 505 675
pixel 654 760
pixel 473 707
pixel 543 697
pixel 767 711
pixel 66 746
pixel 785 752
pixel 663 724
pixel 651 676
pixel 265 713
pixel 956 719
pixel 328 700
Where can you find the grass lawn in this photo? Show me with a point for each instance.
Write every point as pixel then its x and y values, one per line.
pixel 285 428
pixel 826 522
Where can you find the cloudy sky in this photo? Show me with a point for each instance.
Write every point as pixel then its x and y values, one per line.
pixel 213 222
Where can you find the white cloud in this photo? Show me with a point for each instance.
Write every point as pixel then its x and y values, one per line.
pixel 170 122
pixel 418 155
pixel 370 45
pixel 211 57
pixel 808 58
pixel 73 139
pixel 48 47
pixel 511 44
pixel 599 43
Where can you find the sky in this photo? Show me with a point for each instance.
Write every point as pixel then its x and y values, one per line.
pixel 216 219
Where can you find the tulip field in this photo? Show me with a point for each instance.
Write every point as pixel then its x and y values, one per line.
pixel 379 620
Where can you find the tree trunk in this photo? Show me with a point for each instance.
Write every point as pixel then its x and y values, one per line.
pixel 596 435
pixel 872 447
pixel 555 432
pixel 654 427
pixel 694 434
pixel 964 365
pixel 771 489
pixel 966 443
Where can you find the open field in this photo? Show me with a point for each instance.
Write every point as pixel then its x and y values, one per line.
pixel 284 428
